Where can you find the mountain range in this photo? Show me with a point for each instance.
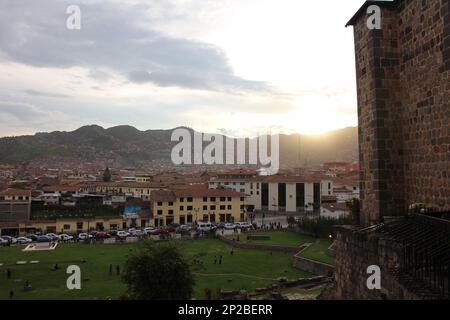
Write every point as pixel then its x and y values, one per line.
pixel 128 146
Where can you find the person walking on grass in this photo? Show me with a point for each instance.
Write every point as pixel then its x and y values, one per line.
pixel 220 260
pixel 11 294
pixel 118 270
pixel 8 273
pixel 110 269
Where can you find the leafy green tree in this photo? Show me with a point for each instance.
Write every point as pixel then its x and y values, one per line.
pixel 106 175
pixel 158 272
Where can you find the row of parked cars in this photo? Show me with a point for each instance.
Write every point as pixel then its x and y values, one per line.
pixel 123 234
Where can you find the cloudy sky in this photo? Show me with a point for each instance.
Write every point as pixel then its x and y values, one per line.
pixel 235 66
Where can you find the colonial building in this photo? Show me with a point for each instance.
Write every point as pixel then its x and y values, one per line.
pixel 192 205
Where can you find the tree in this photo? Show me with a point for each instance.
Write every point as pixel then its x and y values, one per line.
pixel 18 185
pixel 106 175
pixel 158 272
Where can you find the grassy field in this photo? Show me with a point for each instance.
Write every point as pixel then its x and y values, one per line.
pixel 318 252
pixel 246 269
pixel 278 238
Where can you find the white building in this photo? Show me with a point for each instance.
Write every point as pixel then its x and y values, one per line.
pixel 277 193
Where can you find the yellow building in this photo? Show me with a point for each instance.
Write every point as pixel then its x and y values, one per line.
pixel 197 204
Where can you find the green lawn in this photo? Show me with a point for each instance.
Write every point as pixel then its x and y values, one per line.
pixel 318 252
pixel 278 238
pixel 246 269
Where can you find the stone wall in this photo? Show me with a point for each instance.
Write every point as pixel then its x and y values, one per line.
pixel 315 267
pixel 403 79
pixel 355 252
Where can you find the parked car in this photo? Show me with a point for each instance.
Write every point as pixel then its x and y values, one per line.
pixel 102 235
pixel 169 229
pixel 229 226
pixel 33 237
pixel 131 231
pixel 84 236
pixel 149 230
pixel 139 233
pixel 44 239
pixel 221 225
pixel 123 234
pixel 112 233
pixel 23 240
pixel 205 226
pixel 185 228
pixel 10 240
pixel 3 242
pixel 52 236
pixel 65 237
pixel 244 226
pixel 157 232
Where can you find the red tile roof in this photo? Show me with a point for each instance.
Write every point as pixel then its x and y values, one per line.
pixel 15 192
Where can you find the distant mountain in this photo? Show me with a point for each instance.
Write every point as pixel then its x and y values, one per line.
pixel 128 146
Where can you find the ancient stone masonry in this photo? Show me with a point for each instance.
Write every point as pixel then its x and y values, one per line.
pixel 403 88
pixel 403 80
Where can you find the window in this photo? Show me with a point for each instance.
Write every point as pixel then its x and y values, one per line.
pixel 242 198
pixel 251 185
pixel 242 190
pixel 205 199
pixel 181 208
pixel 67 227
pixel 189 199
pixel 159 204
pixel 181 199
pixel 222 199
pixel 189 208
pixel 222 207
pixel 229 198
pixel 79 225
pixel 213 199
pixel 212 207
pixel 229 207
pixel 170 204
pixel 170 212
pixel 205 208
pixel 242 183
pixel 160 212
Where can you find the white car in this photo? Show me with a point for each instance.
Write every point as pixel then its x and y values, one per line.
pixel 9 239
pixel 3 242
pixel 229 226
pixel 65 237
pixel 84 236
pixel 52 236
pixel 123 234
pixel 132 231
pixel 244 225
pixel 23 240
pixel 205 226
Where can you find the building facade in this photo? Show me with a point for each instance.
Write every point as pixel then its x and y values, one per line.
pixel 15 204
pixel 197 204
pixel 277 193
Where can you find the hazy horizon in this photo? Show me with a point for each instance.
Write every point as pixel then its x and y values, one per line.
pixel 236 67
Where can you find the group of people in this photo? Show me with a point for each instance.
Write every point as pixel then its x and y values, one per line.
pixel 271 226
pixel 111 269
pixel 218 259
